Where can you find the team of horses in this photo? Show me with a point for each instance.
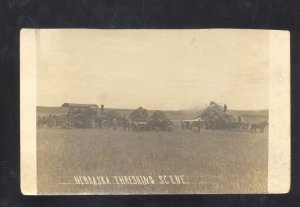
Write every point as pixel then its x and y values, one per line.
pixel 261 126
pixel 64 121
pixel 210 124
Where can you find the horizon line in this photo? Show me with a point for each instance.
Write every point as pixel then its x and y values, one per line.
pixel 264 109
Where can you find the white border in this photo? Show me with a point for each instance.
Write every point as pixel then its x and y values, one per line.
pixel 279 113
pixel 28 111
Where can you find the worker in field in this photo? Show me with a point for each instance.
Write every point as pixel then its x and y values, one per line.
pixel 225 108
pixel 115 124
pixel 213 124
pixel 125 123
pixel 69 117
pixel 50 121
pixel 54 118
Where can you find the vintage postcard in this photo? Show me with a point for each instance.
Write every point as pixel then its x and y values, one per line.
pixel 194 111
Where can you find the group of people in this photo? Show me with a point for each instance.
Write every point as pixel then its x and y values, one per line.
pixel 49 121
pixel 114 123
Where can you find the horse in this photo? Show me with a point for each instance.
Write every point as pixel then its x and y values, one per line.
pixel 260 126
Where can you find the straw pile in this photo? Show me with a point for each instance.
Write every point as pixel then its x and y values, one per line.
pixel 140 114
pixel 159 115
pixel 216 112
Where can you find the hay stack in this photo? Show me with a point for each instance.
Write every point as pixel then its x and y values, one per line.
pixel 159 115
pixel 140 114
pixel 216 112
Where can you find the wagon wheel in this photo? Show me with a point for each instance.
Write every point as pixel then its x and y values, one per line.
pixel 169 129
pixel 54 124
pixel 142 127
pixel 79 121
pixel 78 124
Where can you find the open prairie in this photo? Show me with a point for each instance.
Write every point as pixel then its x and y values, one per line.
pixel 210 161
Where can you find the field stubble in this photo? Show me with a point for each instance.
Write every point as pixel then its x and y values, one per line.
pixel 213 161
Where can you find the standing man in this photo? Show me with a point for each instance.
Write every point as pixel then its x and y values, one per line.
pixel 124 122
pixel 115 124
pixel 225 108
pixel 198 125
pixel 50 121
pixel 182 124
pixel 130 123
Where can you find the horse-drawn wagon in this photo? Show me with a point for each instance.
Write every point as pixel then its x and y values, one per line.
pixel 141 121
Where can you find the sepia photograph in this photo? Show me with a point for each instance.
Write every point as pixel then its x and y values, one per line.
pixel 154 111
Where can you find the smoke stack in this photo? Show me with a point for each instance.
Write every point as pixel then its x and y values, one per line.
pixel 102 109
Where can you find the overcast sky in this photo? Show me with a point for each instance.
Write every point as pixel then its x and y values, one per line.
pixel 156 69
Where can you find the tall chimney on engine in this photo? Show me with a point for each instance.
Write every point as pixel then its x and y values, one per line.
pixel 102 109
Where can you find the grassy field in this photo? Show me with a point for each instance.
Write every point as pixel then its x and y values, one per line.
pixel 211 161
